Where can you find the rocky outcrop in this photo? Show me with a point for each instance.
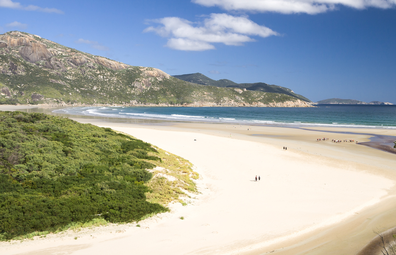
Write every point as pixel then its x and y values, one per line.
pixel 5 91
pixel 110 63
pixel 34 49
pixel 153 72
pixel 36 97
pixel 11 68
pixel 29 48
pixel 35 52
pixel 15 39
pixel 78 60
pixel 55 64
pixel 141 85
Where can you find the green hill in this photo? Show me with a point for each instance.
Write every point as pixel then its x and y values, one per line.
pixel 259 86
pixel 199 78
pixel 35 70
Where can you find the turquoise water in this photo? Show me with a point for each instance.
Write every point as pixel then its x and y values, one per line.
pixel 373 116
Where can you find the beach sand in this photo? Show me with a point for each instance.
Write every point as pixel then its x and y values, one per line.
pixel 313 198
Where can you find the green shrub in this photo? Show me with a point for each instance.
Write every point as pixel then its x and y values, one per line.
pixel 55 172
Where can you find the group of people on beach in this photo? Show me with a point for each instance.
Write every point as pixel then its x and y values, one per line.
pixel 257 178
pixel 340 141
pixel 336 140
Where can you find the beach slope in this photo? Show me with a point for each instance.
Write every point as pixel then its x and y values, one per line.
pixel 302 191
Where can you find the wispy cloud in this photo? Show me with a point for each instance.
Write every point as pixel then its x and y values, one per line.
pixel 16 24
pixel 93 44
pixel 218 28
pixel 214 72
pixel 18 6
pixel 294 6
pixel 219 63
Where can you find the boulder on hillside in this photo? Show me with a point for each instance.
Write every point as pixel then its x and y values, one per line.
pixel 54 63
pixel 111 64
pixel 13 68
pixel 78 60
pixel 3 44
pixel 36 97
pixel 6 91
pixel 35 52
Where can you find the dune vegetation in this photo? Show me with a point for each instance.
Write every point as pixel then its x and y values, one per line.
pixel 55 172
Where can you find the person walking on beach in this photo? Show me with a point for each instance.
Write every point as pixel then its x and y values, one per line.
pixel 255 178
pixel 259 177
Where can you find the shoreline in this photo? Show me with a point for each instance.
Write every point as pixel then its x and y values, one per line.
pixel 236 135
pixel 301 145
pixel 381 142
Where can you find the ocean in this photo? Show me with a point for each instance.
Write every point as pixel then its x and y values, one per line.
pixel 361 116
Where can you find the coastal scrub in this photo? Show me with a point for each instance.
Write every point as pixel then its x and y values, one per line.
pixel 55 172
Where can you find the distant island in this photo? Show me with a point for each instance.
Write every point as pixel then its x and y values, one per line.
pixel 350 101
pixel 34 70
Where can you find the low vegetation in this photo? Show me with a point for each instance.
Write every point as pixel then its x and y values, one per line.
pixel 56 173
pixel 173 179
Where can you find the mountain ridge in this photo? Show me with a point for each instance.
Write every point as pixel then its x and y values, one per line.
pixel 36 70
pixel 257 86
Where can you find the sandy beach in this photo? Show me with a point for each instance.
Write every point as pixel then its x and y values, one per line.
pixel 316 197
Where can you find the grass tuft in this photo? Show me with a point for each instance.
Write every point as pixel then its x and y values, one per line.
pixel 180 179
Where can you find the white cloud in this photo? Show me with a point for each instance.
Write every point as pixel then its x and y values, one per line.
pixel 243 25
pixel 10 4
pixel 93 44
pixel 294 6
pixel 188 45
pixel 16 24
pixel 16 5
pixel 84 41
pixel 49 10
pixel 218 28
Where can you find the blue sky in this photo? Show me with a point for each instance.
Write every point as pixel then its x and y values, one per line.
pixel 318 48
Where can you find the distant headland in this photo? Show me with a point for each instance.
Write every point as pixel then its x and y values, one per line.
pixel 350 101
